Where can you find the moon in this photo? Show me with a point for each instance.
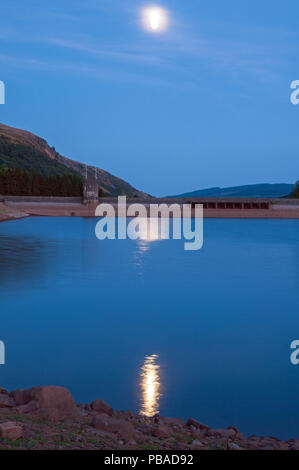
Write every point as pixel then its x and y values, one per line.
pixel 155 19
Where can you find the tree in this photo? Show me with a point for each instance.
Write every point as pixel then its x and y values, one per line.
pixel 17 182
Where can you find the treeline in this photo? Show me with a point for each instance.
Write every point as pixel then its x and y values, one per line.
pixel 17 182
pixel 295 192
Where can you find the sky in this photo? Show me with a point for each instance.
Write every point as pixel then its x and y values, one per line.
pixel 204 103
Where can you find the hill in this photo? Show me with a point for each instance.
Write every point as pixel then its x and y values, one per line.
pixel 251 190
pixel 26 151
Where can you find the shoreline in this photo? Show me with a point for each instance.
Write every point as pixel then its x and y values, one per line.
pixel 7 213
pixel 12 210
pixel 47 417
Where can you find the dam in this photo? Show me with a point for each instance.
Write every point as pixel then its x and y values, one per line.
pixel 212 207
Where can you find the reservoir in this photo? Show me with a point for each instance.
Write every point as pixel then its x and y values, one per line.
pixel 209 331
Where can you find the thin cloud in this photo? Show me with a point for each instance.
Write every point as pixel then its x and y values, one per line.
pixel 98 73
pixel 182 55
pixel 108 52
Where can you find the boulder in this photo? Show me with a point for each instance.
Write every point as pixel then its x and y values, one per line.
pixel 174 422
pixel 28 408
pixel 224 433
pixel 53 397
pixel 10 430
pixel 238 433
pixel 197 443
pixel 197 424
pixel 101 407
pixel 85 406
pixel 234 446
pixel 21 397
pixel 57 400
pixel 268 443
pixel 104 422
pixel 6 401
pixel 46 397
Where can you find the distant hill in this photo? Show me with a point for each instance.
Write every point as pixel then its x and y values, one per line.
pixel 251 190
pixel 24 150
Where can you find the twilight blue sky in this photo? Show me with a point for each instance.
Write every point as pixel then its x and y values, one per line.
pixel 206 103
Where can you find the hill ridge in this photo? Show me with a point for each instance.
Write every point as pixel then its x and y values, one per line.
pixel 271 190
pixel 26 150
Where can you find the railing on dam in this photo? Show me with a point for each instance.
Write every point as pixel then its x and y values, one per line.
pixel 231 204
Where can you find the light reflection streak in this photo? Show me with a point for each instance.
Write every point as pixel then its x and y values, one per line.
pixel 150 386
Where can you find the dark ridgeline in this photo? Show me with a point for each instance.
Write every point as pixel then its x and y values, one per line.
pixel 17 182
pixel 295 192
pixel 266 190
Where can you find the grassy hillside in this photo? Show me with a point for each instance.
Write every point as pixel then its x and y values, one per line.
pixel 26 151
pixel 29 158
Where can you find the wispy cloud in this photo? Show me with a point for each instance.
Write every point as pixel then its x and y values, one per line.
pixel 109 52
pixel 94 72
pixel 179 57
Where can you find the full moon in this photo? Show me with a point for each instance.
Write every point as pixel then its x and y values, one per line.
pixel 155 19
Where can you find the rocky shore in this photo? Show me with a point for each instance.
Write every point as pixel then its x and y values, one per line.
pixel 49 418
pixel 10 213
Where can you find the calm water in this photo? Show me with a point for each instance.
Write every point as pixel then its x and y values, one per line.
pixel 83 314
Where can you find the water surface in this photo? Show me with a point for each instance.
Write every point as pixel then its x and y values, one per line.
pixel 84 314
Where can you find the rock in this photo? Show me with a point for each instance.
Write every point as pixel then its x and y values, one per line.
pixel 53 397
pixel 140 437
pixel 197 424
pixel 234 446
pixel 226 433
pixel 196 443
pixel 174 422
pixel 104 422
pixel 57 400
pixel 132 443
pixel 129 415
pixel 21 397
pixel 238 434
pixel 268 444
pixel 290 441
pixel 28 408
pixel 3 391
pixel 204 433
pixel 10 430
pixel 162 431
pixel 102 407
pixel 6 401
pixel 51 414
pixel 294 446
pixel 197 433
pixel 85 407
